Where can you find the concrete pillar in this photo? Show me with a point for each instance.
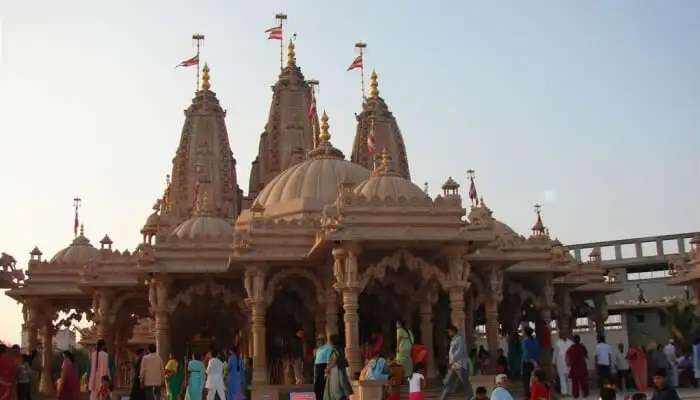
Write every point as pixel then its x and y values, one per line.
pixel 457 308
pixel 259 343
pixel 492 332
pixel 105 317
pixel 162 334
pixel 46 385
pixel 426 333
pixel 351 318
pixel 600 314
pixel 158 296
pixel 469 322
pixel 331 319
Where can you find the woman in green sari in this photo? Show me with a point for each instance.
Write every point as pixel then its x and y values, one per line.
pixel 173 378
pixel 337 382
pixel 404 343
pixel 195 384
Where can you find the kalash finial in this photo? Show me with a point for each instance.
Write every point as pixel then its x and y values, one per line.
pixel 291 55
pixel 374 85
pixel 205 77
pixel 324 136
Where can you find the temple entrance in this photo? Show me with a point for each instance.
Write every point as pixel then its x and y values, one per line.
pixel 206 316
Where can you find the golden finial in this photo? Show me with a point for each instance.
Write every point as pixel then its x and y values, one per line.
pixel 373 84
pixel 386 160
pixel 324 136
pixel 205 77
pixel 82 230
pixel 291 56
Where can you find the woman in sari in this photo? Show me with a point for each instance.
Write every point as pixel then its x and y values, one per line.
pixel 195 370
pixel 69 384
pixel 637 359
pixel 337 383
pixel 8 369
pixel 404 343
pixel 173 378
pixel 235 371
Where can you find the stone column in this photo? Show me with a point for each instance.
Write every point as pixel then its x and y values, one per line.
pixel 469 321
pixel 600 314
pixel 30 328
pixel 491 310
pixel 255 288
pixel 102 301
pixel 46 385
pixel 458 273
pixel 542 326
pixel 345 270
pixel 426 333
pixel 331 306
pixel 158 296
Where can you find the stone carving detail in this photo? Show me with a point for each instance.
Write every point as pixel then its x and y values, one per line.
pixel 496 284
pixel 273 283
pixel 413 263
pixel 216 290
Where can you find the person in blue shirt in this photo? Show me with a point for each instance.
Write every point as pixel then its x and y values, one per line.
pixel 458 366
pixel 531 357
pixel 500 392
pixel 321 358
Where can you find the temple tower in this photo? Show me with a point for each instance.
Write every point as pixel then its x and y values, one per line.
pixel 289 132
pixel 203 159
pixel 376 117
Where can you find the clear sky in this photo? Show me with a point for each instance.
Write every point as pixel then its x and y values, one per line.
pixel 591 108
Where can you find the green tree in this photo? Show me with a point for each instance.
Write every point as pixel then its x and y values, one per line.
pixel 682 321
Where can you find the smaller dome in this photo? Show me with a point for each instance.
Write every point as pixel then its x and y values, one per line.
pixel 151 225
pixel 387 184
pixel 203 226
pixel 79 252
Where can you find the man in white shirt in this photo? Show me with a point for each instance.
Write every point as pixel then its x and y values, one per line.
pixel 559 360
pixel 672 373
pixel 623 368
pixel 215 378
pixel 603 360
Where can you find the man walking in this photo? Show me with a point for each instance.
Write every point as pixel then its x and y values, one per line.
pixel 559 360
pixel 603 359
pixel 623 368
pixel 531 357
pixel 151 373
pixel 458 371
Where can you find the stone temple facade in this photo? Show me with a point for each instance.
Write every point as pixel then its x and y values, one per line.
pixel 320 242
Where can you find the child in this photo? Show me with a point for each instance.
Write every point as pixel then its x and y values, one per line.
pixel 105 392
pixel 416 383
pixel 396 379
pixel 480 394
pixel 24 379
pixel 607 392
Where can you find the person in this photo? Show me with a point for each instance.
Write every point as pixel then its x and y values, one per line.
pixel 404 343
pixel 608 392
pixel 151 373
pixel 576 358
pixel 137 392
pixel 416 383
pixel 696 361
pixel 531 357
pixel 296 352
pixel 539 389
pixel 502 362
pixel 321 357
pixel 215 377
pixel 637 359
pixel 622 366
pixel 195 378
pixel 473 362
pixel 515 355
pixel 105 392
pixel 603 359
pixel 500 392
pixel 672 371
pixel 8 370
pixel 69 387
pixel 376 369
pixel 662 391
pixel 235 376
pixel 25 373
pixel 660 361
pixel 99 367
pixel 559 361
pixel 458 369
pixel 173 378
pixel 396 379
pixel 337 382
pixel 480 393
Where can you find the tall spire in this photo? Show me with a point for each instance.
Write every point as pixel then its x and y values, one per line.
pixel 377 127
pixel 538 229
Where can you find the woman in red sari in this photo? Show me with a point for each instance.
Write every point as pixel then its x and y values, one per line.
pixel 8 370
pixel 576 358
pixel 637 359
pixel 69 385
pixel 539 389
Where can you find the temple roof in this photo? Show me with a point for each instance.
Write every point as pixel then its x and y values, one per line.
pixel 78 252
pixel 289 132
pixel 376 117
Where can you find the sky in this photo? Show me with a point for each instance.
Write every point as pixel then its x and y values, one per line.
pixel 590 108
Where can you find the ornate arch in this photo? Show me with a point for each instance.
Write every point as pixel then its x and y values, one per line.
pixel 413 263
pixel 278 277
pixel 209 286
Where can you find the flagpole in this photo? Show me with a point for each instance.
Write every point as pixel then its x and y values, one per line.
pixel 197 37
pixel 281 17
pixel 76 204
pixel 362 46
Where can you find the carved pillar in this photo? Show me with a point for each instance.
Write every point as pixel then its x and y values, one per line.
pixel 543 324
pixel 600 313
pixel 255 288
pixel 346 275
pixel 331 319
pixel 46 386
pixel 564 315
pixel 459 274
pixel 31 325
pixel 426 333
pixel 102 302
pixel 491 310
pixel 469 320
pixel 158 296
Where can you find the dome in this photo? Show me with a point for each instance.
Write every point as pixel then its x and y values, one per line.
pixel 502 229
pixel 392 187
pixel 317 178
pixel 79 252
pixel 151 224
pixel 204 226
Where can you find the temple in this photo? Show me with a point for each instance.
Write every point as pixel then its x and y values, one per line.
pixel 320 242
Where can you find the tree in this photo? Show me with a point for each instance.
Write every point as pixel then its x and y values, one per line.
pixel 682 322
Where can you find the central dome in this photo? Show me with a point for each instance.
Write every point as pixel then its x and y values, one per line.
pixel 80 251
pixel 316 178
